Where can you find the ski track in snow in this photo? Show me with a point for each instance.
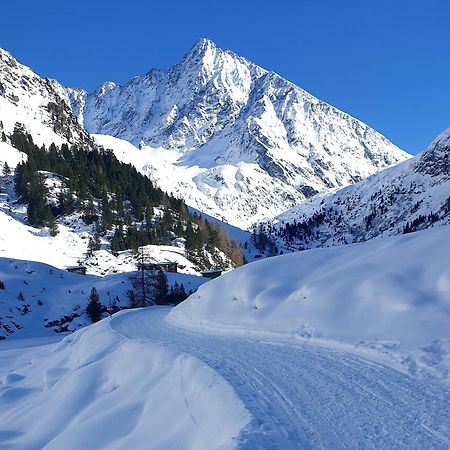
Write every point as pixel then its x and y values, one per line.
pixel 301 396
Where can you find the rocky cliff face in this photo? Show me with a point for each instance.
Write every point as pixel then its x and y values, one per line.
pixel 39 105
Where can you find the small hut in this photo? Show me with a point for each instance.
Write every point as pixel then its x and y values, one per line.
pixel 165 266
pixel 212 273
pixel 81 270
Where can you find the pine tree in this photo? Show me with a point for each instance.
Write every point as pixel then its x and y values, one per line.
pixel 93 244
pixel 143 293
pixel 6 169
pixel 177 294
pixel 65 203
pixel 94 307
pixel 132 299
pixel 52 226
pixel 161 288
pixel 107 215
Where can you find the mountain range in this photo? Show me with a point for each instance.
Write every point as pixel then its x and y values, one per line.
pixel 234 140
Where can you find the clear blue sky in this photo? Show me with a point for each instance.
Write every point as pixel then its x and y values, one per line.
pixel 386 62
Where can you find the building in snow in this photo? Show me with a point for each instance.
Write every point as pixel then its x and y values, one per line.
pixel 166 266
pixel 81 270
pixel 212 273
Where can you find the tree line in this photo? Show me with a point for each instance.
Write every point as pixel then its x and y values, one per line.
pixel 122 203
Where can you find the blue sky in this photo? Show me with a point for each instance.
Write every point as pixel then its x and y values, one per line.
pixel 387 62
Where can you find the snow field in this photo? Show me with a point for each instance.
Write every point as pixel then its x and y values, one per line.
pixel 388 295
pixel 98 389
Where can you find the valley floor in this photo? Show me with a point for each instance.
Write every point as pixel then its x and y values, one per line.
pixel 302 396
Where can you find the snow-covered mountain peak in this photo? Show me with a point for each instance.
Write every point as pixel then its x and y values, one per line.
pixel 213 111
pixel 105 88
pixel 216 110
pixel 39 105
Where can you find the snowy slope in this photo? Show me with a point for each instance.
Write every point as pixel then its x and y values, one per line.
pixel 39 105
pixel 69 247
pixel 55 300
pixel 229 193
pixel 237 141
pixel 11 156
pixel 99 390
pixel 391 294
pixel 410 196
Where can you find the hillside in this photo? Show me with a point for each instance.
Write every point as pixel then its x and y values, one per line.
pixel 37 300
pixel 98 389
pixel 388 296
pixel 411 196
pixel 37 104
pixel 85 201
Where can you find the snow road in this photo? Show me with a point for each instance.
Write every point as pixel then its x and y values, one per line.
pixel 301 396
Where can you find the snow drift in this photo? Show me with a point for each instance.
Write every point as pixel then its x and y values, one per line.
pixel 390 294
pixel 118 393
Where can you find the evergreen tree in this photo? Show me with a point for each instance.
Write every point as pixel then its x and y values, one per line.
pixel 148 214
pixel 177 294
pixel 65 203
pixel 107 215
pixel 161 288
pixel 143 293
pixel 93 244
pixel 6 169
pixel 132 299
pixel 52 226
pixel 94 307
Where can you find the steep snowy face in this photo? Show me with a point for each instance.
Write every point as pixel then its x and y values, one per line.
pixel 40 106
pixel 411 196
pixel 215 109
pixel 435 160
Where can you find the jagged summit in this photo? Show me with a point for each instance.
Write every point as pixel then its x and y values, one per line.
pixel 202 46
pixel 243 126
pixel 245 143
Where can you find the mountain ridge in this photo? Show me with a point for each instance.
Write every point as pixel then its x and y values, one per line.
pixel 411 196
pixel 216 110
pixel 235 140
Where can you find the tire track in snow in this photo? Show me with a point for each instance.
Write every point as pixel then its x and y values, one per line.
pixel 309 397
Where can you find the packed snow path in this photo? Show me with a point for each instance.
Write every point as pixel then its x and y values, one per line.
pixel 301 396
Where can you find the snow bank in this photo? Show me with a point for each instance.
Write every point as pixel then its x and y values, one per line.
pixel 118 393
pixel 391 294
